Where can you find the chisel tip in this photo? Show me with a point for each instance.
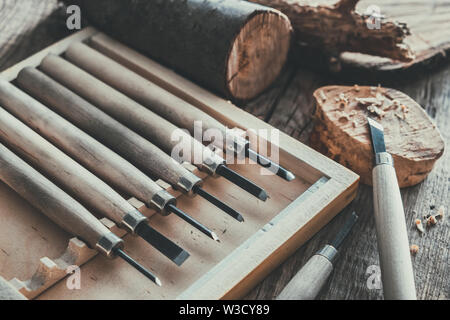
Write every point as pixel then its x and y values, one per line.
pixel 181 258
pixel 289 176
pixel 158 282
pixel 263 195
pixel 214 236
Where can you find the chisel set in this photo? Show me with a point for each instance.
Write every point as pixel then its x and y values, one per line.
pixel 82 131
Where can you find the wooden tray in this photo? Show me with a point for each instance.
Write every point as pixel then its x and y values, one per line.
pixel 36 251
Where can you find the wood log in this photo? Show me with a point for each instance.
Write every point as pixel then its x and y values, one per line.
pixel 333 26
pixel 233 47
pixel 341 131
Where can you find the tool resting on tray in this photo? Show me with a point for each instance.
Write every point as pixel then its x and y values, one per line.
pixel 162 102
pixel 88 136
pixel 62 209
pixel 151 126
pixel 132 146
pixel 392 237
pixel 93 155
pixel 75 179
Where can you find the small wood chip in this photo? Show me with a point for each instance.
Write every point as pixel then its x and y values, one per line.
pixel 414 248
pixel 323 96
pixel 441 213
pixel 431 221
pixel 419 225
pixel 356 88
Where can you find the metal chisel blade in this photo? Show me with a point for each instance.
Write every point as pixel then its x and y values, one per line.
pixel 168 248
pixel 377 135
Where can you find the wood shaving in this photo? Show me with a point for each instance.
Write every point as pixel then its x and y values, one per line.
pixel 323 96
pixel 441 212
pixel 414 248
pixel 354 123
pixel 431 221
pixel 404 108
pixel 419 225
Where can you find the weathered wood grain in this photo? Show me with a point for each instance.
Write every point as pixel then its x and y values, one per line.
pixel 277 105
pixel 431 264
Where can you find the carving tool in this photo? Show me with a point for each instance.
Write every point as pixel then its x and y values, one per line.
pixel 78 181
pixel 62 209
pixel 162 102
pixel 106 98
pixel 145 122
pixel 308 282
pixel 393 246
pixel 139 151
pixel 93 155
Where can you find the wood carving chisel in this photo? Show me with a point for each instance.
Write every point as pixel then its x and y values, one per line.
pixel 93 155
pixel 62 209
pixel 78 181
pixel 145 122
pixel 308 282
pixel 162 102
pixel 134 116
pixel 120 139
pixel 392 236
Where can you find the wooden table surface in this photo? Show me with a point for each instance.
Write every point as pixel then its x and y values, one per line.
pixel 28 26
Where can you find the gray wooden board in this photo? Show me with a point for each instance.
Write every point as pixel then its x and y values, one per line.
pixel 28 26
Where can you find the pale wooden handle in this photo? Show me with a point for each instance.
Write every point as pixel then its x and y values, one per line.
pixel 167 105
pixel 49 199
pixel 96 157
pixel 55 164
pixel 130 145
pixel 307 283
pixel 127 111
pixel 8 292
pixel 392 237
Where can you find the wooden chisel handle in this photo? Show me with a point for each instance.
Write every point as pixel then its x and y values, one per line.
pixel 72 177
pixel 133 147
pixel 164 103
pixel 55 203
pixel 308 282
pixel 93 155
pixel 127 111
pixel 392 237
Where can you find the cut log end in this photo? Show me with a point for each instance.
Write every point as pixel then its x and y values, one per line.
pixel 258 54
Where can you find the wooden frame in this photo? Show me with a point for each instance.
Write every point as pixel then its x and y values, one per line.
pixel 248 253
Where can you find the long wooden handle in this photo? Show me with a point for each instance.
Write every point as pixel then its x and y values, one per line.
pixel 158 130
pixel 133 147
pixel 162 102
pixel 93 155
pixel 306 284
pixel 71 176
pixel 49 199
pixel 392 237
pixel 8 292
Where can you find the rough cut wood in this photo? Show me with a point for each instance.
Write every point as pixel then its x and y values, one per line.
pixel 341 131
pixel 334 27
pixel 234 47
